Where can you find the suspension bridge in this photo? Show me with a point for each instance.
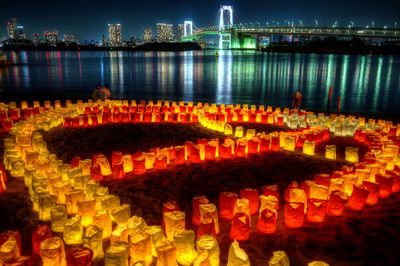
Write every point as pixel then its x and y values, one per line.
pixel 225 31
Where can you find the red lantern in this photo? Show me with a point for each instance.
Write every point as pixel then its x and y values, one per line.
pixel 118 171
pixel 270 190
pixel 225 151
pixel 358 198
pixel 264 144
pixel 75 161
pixel 294 215
pixel 227 202
pixel 385 185
pixel 194 153
pixel 335 205
pixel 139 165
pixel 180 155
pixel 161 162
pixel 240 227
pixel 95 121
pixel 116 157
pixel 240 149
pixel 41 233
pixel 322 179
pixel 267 222
pixel 252 195
pixel 396 181
pixel 316 210
pixel 373 189
pixel 210 152
pixel 275 143
pixel 80 256
pixel 95 173
pixel 196 201
pixel 252 146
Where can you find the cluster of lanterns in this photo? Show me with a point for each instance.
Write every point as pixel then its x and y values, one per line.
pixel 79 214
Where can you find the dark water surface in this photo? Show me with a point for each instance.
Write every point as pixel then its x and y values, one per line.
pixel 366 84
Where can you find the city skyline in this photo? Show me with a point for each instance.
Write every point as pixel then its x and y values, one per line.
pixel 42 16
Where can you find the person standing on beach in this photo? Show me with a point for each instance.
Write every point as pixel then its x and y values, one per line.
pixel 105 92
pixel 297 97
pixel 96 93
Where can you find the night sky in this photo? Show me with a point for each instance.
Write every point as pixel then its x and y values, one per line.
pixel 88 19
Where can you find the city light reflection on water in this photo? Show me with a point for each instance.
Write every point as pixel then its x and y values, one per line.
pixel 365 84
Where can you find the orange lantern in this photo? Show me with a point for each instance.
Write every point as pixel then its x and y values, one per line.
pixel 322 179
pixel 174 221
pixel 227 202
pixel 196 201
pixel 225 151
pixel 316 210
pixel 294 214
pixel 140 248
pixel 208 251
pixel 117 254
pixel 41 233
pixel 139 165
pixel 253 196
pixel 358 198
pixel 373 189
pixel 210 151
pixel 118 171
pixel 73 231
pixel 166 254
pixel 161 162
pixel 335 204
pixel 79 256
pixel 240 148
pixel 208 221
pixel 240 227
pixel 93 239
pixel 184 243
pixel 52 252
pixel 264 144
pixel 103 221
pixel 267 221
pixel 385 185
pixel 252 145
pixel 180 157
pixel 86 209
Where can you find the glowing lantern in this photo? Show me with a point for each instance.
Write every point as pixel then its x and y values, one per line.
pixel 102 161
pixel 396 180
pixel 61 189
pixel 228 129
pixel 207 250
pixel 72 198
pixel 180 157
pixel 318 191
pixel 210 151
pixel 237 256
pixel 194 153
pixel 250 133
pixel 140 248
pixel 240 227
pixel 362 175
pixel 139 165
pixel 110 202
pixel 184 243
pixel 225 150
pixel 156 236
pixel 169 207
pixel 349 181
pixel 150 158
pixel 93 239
pixel 103 221
pixel 309 147
pixel 295 194
pixel 166 254
pixel 253 196
pixel 264 144
pixel 41 233
pixel 174 221
pixel 118 171
pixel 373 189
pixel 252 145
pixel 227 202
pixel 336 184
pixel 240 148
pixel 46 203
pixel 20 261
pixel 161 162
pixel 385 185
pixel 196 201
pixel 86 209
pixel 294 215
pixel 268 214
pixel 351 154
pixel 358 198
pixel 279 258
pixel 209 220
pixel 58 216
pixel 117 254
pixel 79 256
pixel 272 190
pixel 239 131
pixel 52 252
pixel 121 214
pixel 317 263
pixel 335 204
pixel 73 231
pixel 287 142
pixel 316 210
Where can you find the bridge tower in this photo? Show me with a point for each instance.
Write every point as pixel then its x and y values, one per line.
pixel 225 12
pixel 187 28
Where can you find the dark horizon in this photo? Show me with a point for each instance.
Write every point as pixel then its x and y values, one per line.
pixel 88 20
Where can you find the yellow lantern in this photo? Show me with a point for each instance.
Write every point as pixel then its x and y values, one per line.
pixel 127 163
pixel 73 231
pixel 208 251
pixel 9 249
pixel 330 152
pixel 93 239
pixel 228 129
pixel 58 216
pixel 117 254
pixel 336 184
pixel 140 248
pixel 184 243
pixel 349 181
pixel 309 147
pixel 103 220
pixel 52 252
pixel 237 256
pixel 351 154
pixel 46 203
pixel 318 191
pixel 317 263
pixel 72 198
pixel 209 215
pixel 121 214
pixel 287 142
pixel 86 209
pixel 156 235
pixel 174 221
pixel 104 164
pixel 239 132
pixel 110 202
pixel 166 254
pixel 279 258
pixel 250 133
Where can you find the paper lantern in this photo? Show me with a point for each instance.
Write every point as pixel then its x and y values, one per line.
pixel 287 142
pixel 136 224
pixel 121 214
pixel 52 252
pixel 93 239
pixel 166 254
pixel 227 202
pixel 9 249
pixel 228 129
pixel 174 221
pixel 362 175
pixel 336 184
pixel 161 162
pixel 79 256
pixel 117 254
pixel 252 145
pixel 237 256
pixel 266 223
pixel 373 189
pixel 316 210
pixel 309 147
pixel 271 190
pixel 156 236
pixel 140 248
pixel 196 201
pixel 207 250
pixel 73 231
pixel 349 180
pixel 275 143
pixel 58 217
pixel 102 161
pixel 194 154
pixel 358 198
pixel 139 165
pixel 253 196
pixel 180 157
pixel 184 243
pixel 396 180
pixel 208 220
pixel 127 163
pixel 46 203
pixel 240 148
pixel 335 204
pixel 317 263
pixel 72 198
pixel 110 202
pixel 103 221
pixel 225 150
pixel 118 171
pixel 264 144
pixel 240 227
pixel 294 215
pixel 86 209
pixel 351 154
pixel 385 185
pixel 239 131
pixel 318 191
pixel 279 258
pixel 169 207
pixel 210 151
pixel 20 261
pixel 41 233
pixel 95 173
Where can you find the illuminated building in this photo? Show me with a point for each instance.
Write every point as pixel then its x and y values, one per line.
pixel 11 28
pixel 35 38
pixel 19 33
pixel 147 35
pixel 181 31
pixel 164 32
pixel 51 37
pixel 69 38
pixel 115 35
pixel 103 41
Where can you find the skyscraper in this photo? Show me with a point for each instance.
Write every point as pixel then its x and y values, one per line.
pixel 103 40
pixel 165 32
pixel 181 31
pixel 115 35
pixel 69 39
pixel 19 33
pixel 11 28
pixel 35 38
pixel 147 35
pixel 51 37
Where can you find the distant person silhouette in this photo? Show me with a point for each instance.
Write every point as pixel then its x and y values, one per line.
pixel 96 92
pixel 297 97
pixel 105 92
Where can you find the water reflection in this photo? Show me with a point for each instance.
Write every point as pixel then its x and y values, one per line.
pixel 364 83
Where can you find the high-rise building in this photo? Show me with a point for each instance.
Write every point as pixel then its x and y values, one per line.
pixel 165 32
pixel 103 41
pixel 35 38
pixel 181 31
pixel 51 37
pixel 19 33
pixel 11 28
pixel 69 38
pixel 115 35
pixel 147 35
